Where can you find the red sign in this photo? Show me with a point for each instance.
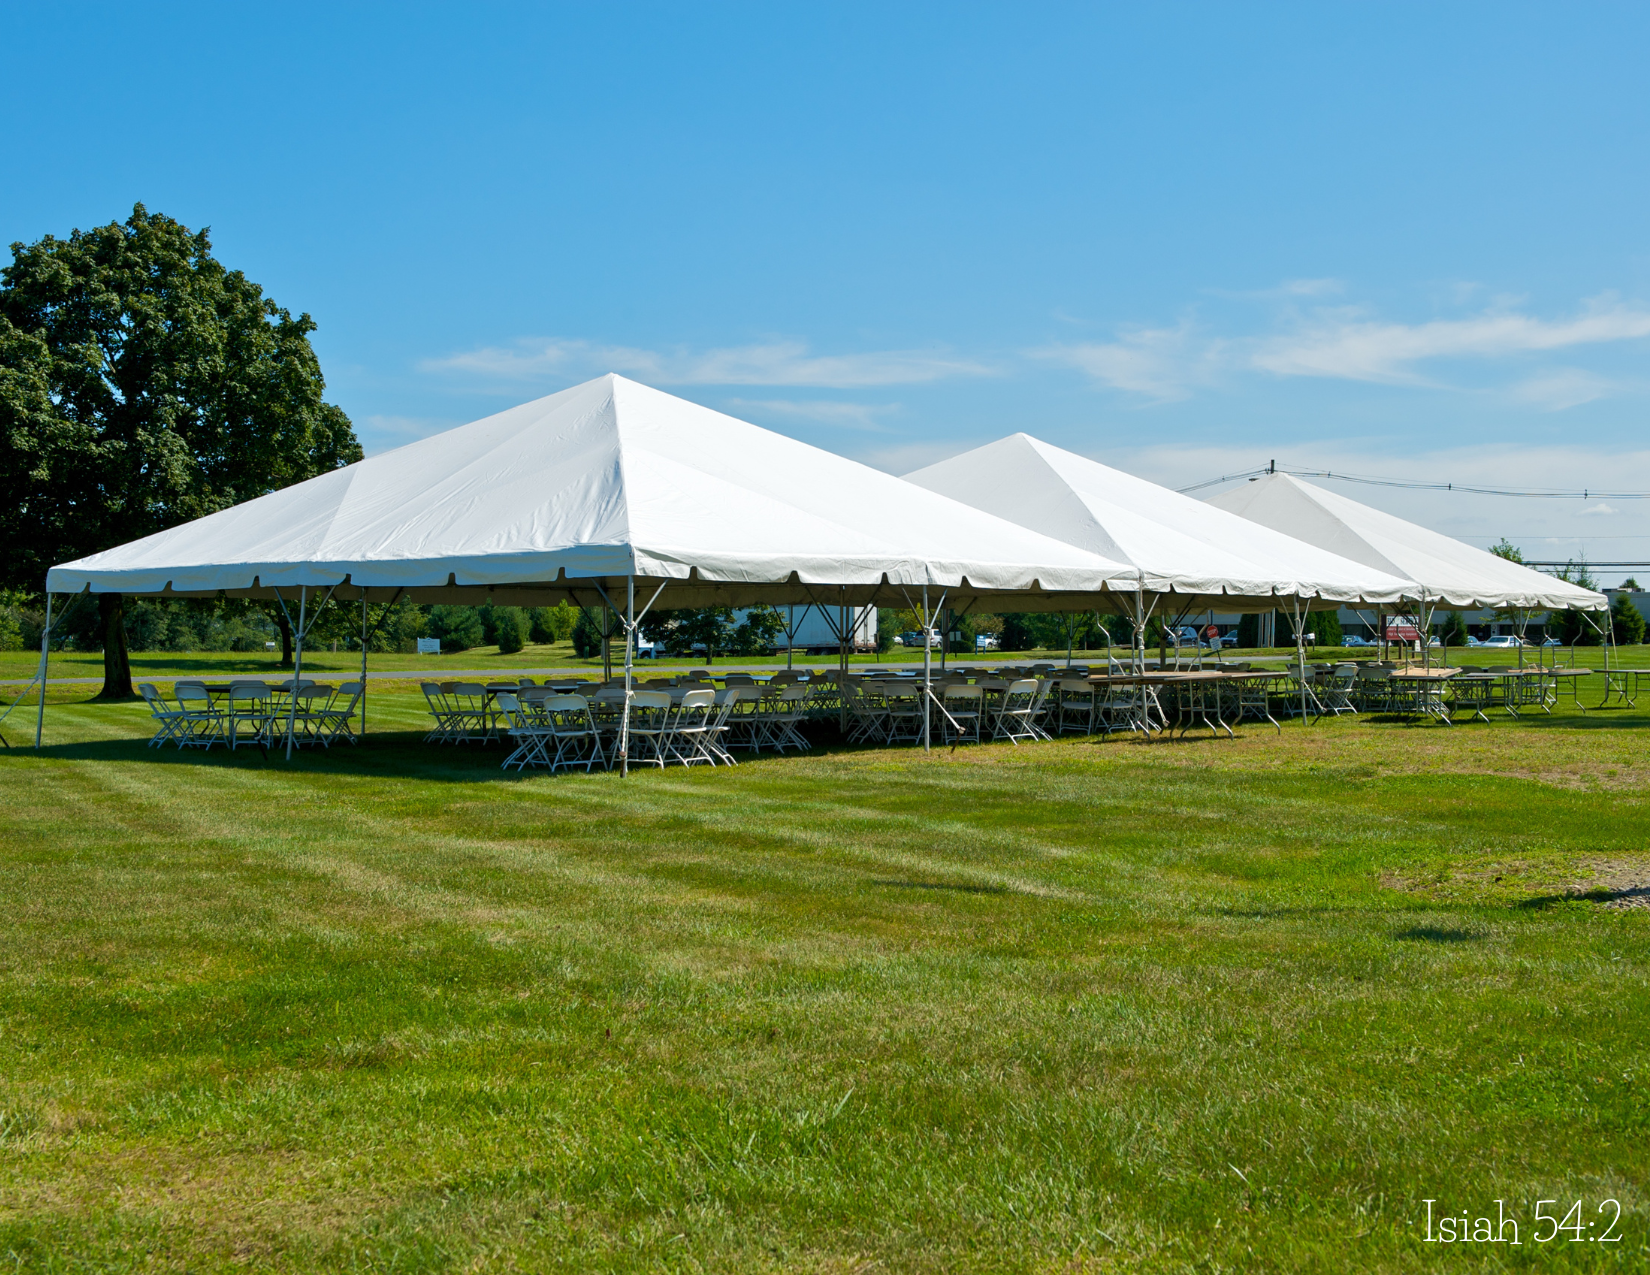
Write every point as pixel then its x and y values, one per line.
pixel 1402 629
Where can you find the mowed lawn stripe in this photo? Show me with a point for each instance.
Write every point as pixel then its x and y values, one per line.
pixel 1171 1007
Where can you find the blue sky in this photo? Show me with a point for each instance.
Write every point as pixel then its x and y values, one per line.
pixel 1183 239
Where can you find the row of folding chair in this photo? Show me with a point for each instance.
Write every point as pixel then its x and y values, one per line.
pixel 252 712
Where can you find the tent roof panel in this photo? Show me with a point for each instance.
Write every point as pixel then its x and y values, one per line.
pixel 1450 572
pixel 1177 543
pixel 607 478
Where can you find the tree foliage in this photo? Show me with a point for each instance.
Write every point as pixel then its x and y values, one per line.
pixel 143 384
pixel 1626 622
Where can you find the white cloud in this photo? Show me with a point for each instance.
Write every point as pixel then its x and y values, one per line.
pixel 861 416
pixel 381 433
pixel 1309 287
pixel 1595 511
pixel 1161 364
pixel 1344 343
pixel 772 363
pixel 1341 345
pixel 1562 388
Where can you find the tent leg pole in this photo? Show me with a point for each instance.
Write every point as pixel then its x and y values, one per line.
pixel 842 666
pixel 297 668
pixel 927 668
pixel 1300 655
pixel 45 646
pixel 790 635
pixel 363 663
pixel 629 645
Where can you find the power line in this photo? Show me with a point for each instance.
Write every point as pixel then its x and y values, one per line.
pixel 1527 493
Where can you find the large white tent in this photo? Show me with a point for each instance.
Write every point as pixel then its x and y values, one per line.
pixel 603 492
pixel 1175 544
pixel 601 483
pixel 1444 571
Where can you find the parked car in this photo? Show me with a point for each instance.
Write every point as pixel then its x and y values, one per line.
pixel 1502 643
pixel 1352 639
pixel 985 642
pixel 1553 642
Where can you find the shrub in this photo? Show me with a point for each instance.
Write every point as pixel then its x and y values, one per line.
pixel 510 627
pixel 587 636
pixel 458 627
pixel 1327 626
pixel 553 624
pixel 1452 629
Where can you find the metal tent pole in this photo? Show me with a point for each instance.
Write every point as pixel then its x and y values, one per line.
pixel 607 642
pixel 1426 633
pixel 363 663
pixel 790 634
pixel 842 668
pixel 629 646
pixel 45 642
pixel 927 672
pixel 1300 655
pixel 297 668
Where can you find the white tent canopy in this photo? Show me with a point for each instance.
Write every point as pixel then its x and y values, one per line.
pixel 605 481
pixel 1449 574
pixel 1176 544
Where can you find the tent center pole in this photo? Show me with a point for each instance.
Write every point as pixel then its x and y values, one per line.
pixel 45 645
pixel 790 635
pixel 297 668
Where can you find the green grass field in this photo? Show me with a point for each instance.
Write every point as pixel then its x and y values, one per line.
pixel 1190 1006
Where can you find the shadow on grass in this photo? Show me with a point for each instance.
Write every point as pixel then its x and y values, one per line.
pixel 941 885
pixel 1635 895
pixel 1437 934
pixel 381 753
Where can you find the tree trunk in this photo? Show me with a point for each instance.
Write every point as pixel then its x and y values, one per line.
pixel 117 664
pixel 285 626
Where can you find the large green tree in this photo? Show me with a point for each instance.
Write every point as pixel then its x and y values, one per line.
pixel 143 384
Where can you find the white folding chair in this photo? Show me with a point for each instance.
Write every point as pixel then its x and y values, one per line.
pixel 964 709
pixel 1016 715
pixel 337 721
pixel 169 718
pixel 573 728
pixel 652 718
pixel 688 738
pixel 440 710
pixel 250 704
pixel 529 737
pixel 1079 707
pixel 202 722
